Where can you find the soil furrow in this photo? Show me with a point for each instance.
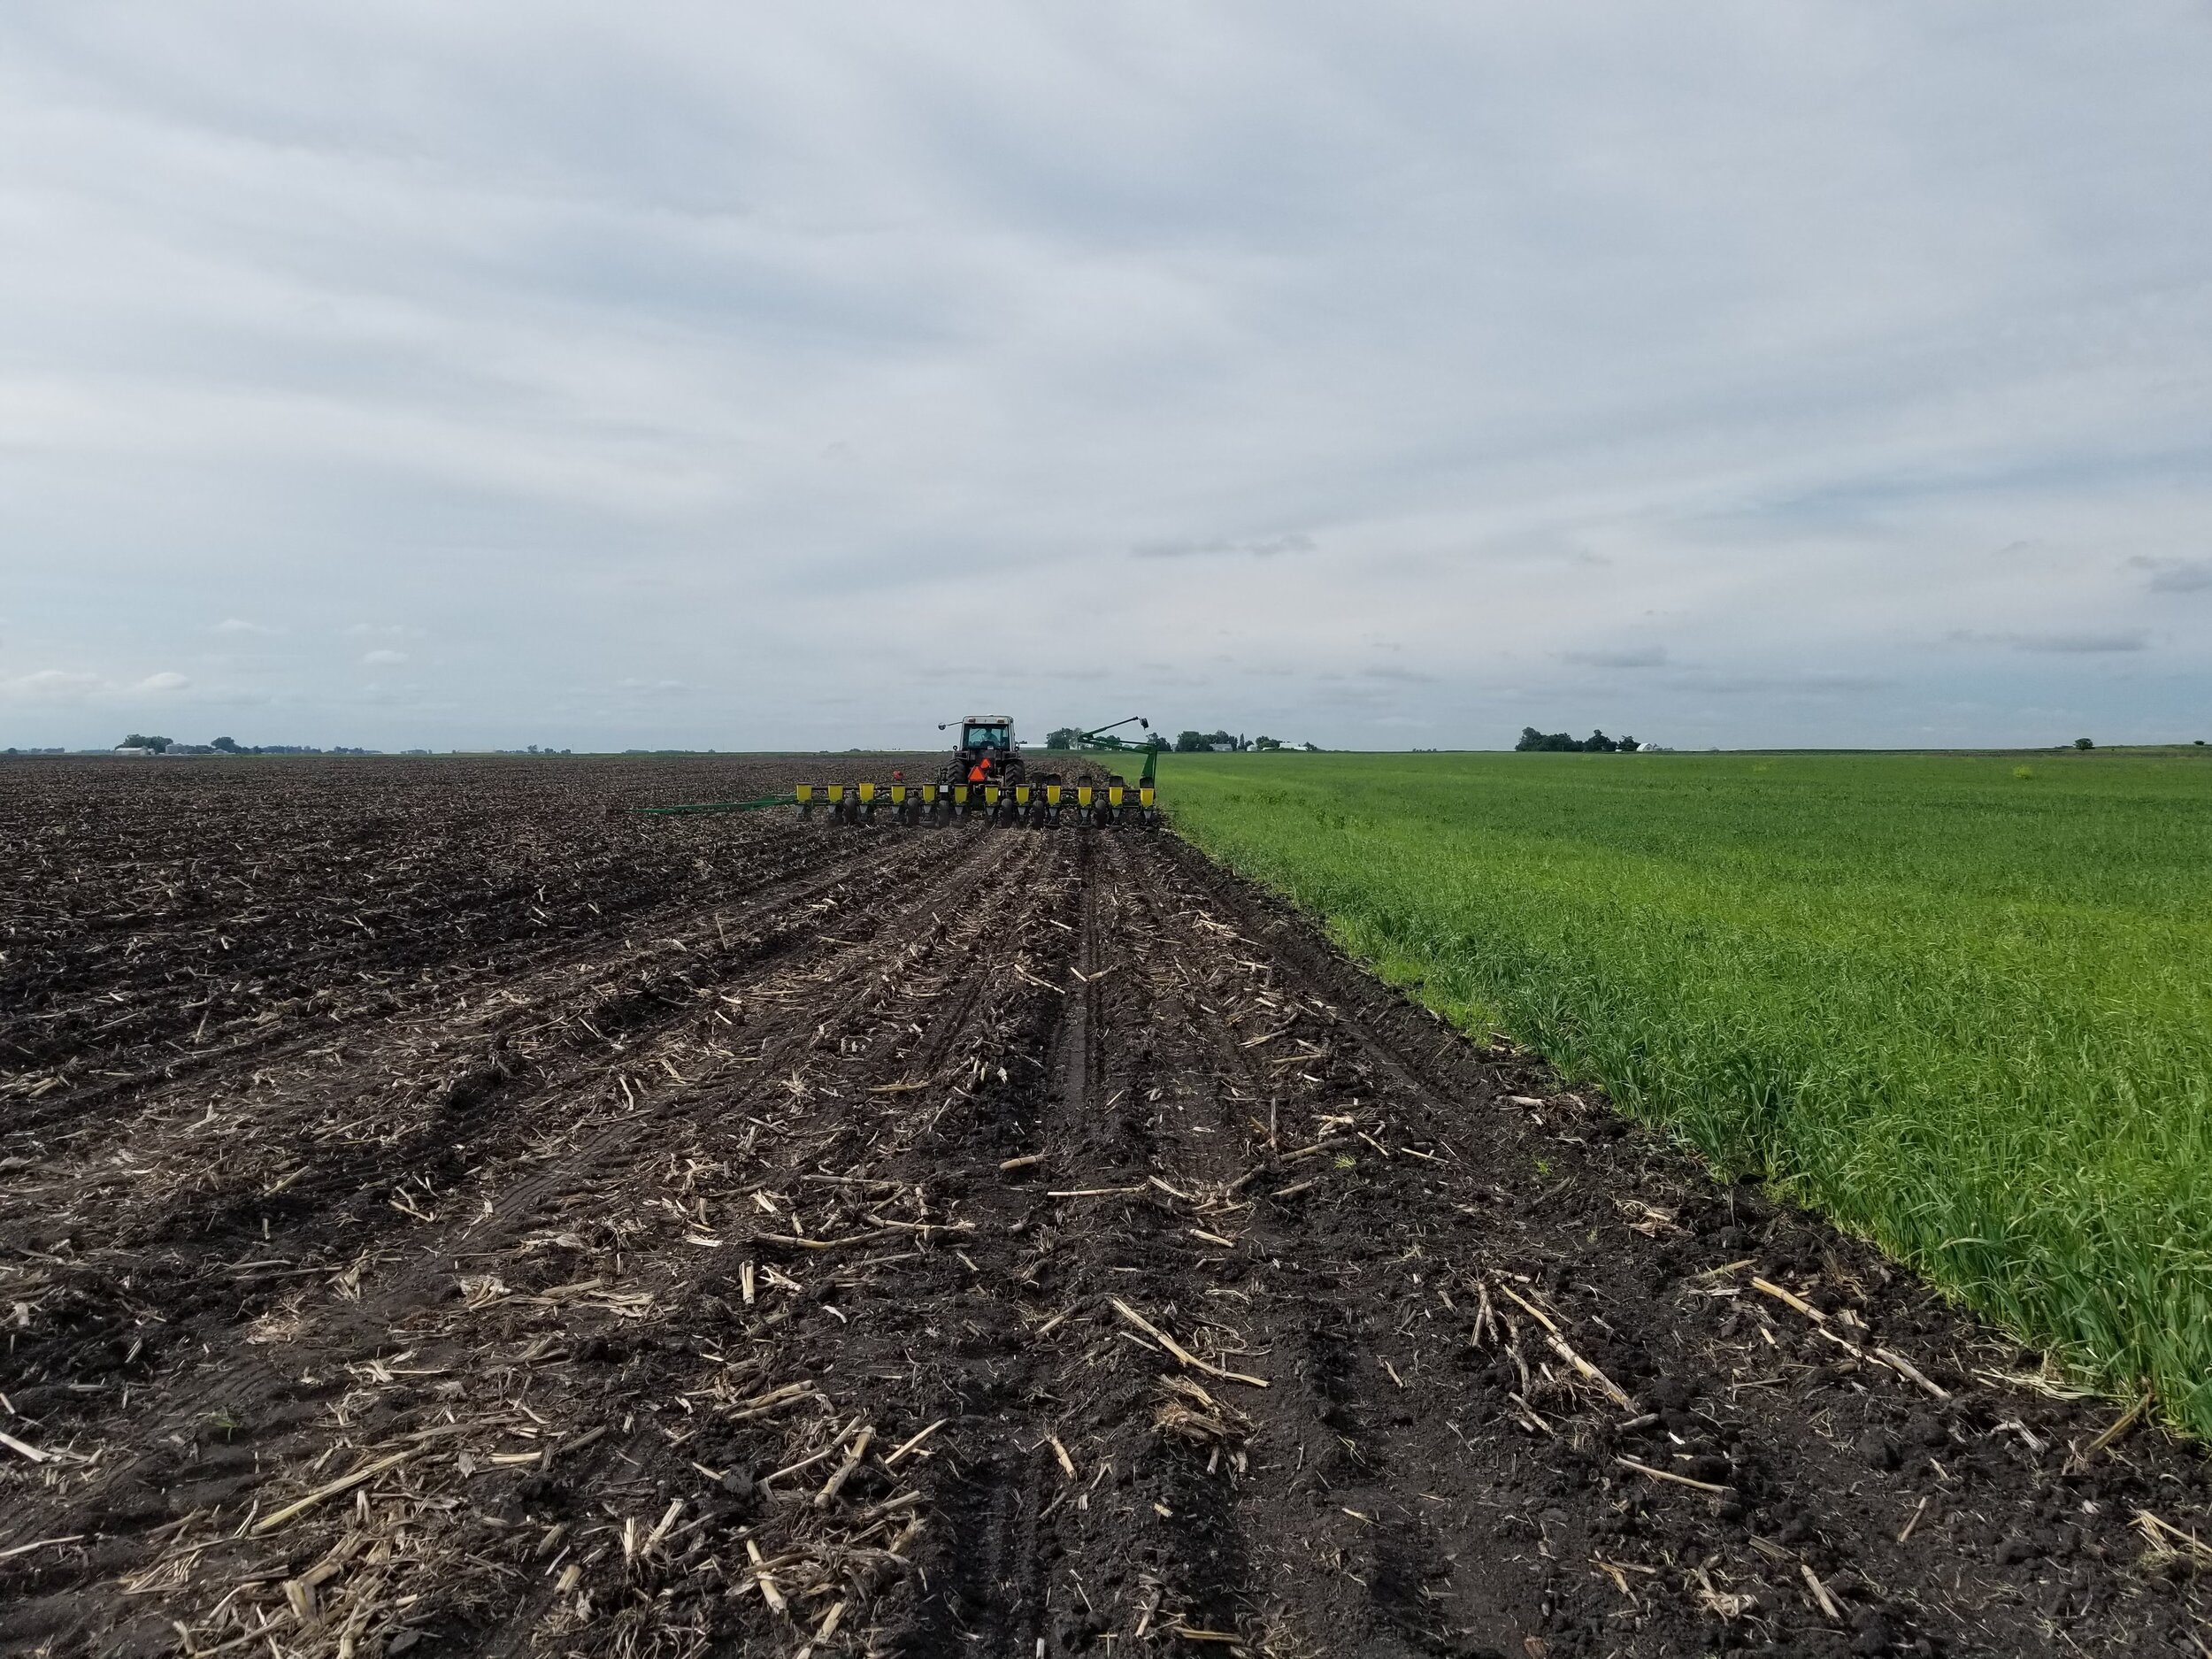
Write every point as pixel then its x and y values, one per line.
pixel 940 1244
pixel 271 1036
pixel 238 1383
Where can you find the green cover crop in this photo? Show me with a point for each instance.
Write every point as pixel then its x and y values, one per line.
pixel 1962 1004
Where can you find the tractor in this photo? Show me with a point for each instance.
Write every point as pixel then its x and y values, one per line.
pixel 986 753
pixel 987 772
pixel 987 776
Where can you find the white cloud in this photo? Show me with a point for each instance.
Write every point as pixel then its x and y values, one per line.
pixel 56 685
pixel 383 658
pixel 799 356
pixel 51 685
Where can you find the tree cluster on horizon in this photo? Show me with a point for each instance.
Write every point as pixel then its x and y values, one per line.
pixel 1558 742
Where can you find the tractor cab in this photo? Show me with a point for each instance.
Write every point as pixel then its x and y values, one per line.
pixel 991 732
pixel 986 752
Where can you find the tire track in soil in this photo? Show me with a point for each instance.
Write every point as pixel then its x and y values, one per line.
pixel 242 1382
pixel 1281 1165
pixel 987 1577
pixel 1192 1525
pixel 793 881
pixel 1406 1508
pixel 1377 1586
pixel 969 932
pixel 976 922
pixel 1819 1478
pixel 346 1194
pixel 467 1077
pixel 244 885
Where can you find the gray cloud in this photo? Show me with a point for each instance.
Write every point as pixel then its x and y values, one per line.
pixel 2177 576
pixel 809 357
pixel 1780 685
pixel 2063 642
pixel 1254 547
pixel 1540 546
pixel 2077 643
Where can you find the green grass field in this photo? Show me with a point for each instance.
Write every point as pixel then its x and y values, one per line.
pixel 1965 1011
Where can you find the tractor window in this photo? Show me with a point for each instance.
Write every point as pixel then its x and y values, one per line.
pixel 984 737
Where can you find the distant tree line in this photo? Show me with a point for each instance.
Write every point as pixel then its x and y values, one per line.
pixel 1560 743
pixel 228 746
pixel 1190 742
pixel 1234 743
pixel 1206 742
pixel 1072 737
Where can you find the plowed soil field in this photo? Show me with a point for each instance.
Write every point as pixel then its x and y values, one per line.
pixel 439 1217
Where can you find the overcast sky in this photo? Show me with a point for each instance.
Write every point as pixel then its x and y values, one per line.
pixel 1382 375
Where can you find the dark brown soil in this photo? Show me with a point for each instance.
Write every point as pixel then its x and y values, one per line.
pixel 641 1236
